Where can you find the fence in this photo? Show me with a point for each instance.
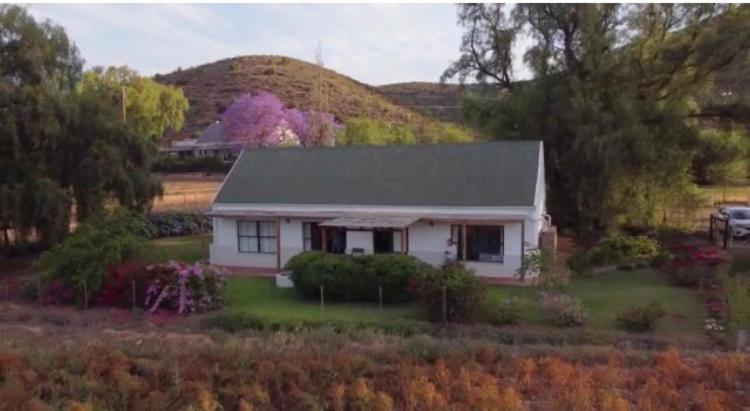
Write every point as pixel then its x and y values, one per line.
pixel 720 230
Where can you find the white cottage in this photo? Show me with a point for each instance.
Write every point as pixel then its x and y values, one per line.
pixel 479 203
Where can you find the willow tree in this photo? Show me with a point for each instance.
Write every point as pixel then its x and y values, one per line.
pixel 612 96
pixel 63 146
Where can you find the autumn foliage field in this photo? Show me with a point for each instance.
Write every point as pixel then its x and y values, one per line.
pixel 326 371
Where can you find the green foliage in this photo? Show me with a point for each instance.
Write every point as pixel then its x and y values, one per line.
pixel 563 310
pixel 63 140
pixel 458 287
pixel 191 165
pixel 721 157
pixel 106 240
pixel 613 90
pixel 505 312
pixel 640 318
pixel 580 263
pixel 617 247
pixel 151 108
pixel 348 278
pixel 365 131
pixel 539 264
pixel 738 300
pixel 234 322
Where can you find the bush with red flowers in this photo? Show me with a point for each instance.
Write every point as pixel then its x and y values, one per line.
pixel 694 266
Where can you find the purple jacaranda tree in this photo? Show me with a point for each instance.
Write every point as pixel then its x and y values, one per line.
pixel 261 120
pixel 255 119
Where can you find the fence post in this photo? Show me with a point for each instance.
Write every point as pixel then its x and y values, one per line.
pixel 85 296
pixel 322 300
pixel 711 228
pixel 726 233
pixel 380 296
pixel 39 289
pixel 445 304
pixel 132 290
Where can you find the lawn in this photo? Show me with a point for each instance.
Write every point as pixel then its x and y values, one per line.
pixel 604 295
pixel 261 297
pixel 607 294
pixel 189 249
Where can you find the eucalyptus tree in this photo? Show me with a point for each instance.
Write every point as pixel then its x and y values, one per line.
pixel 613 93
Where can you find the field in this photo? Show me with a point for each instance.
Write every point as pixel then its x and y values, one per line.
pixel 190 191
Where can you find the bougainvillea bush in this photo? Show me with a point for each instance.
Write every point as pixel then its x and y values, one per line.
pixel 185 288
pixel 694 266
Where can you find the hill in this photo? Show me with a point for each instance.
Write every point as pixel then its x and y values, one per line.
pixel 210 88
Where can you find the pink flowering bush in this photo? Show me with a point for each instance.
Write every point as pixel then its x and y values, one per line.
pixel 694 266
pixel 185 288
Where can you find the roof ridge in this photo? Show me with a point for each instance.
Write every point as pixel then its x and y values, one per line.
pixel 392 146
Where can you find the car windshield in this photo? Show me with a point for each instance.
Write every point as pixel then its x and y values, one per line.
pixel 740 214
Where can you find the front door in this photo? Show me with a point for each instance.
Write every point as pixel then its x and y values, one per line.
pixel 335 238
pixel 382 241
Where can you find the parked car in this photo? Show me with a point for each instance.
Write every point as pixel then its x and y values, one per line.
pixel 739 220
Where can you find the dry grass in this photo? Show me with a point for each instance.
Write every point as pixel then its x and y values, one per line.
pixel 187 191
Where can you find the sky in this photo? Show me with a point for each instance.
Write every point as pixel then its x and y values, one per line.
pixel 375 44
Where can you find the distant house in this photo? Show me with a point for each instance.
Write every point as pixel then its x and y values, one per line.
pixel 211 143
pixel 479 203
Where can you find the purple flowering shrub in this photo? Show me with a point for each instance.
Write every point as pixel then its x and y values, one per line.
pixel 185 288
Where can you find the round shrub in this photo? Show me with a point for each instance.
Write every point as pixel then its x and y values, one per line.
pixel 458 287
pixel 563 310
pixel 347 278
pixel 505 312
pixel 640 318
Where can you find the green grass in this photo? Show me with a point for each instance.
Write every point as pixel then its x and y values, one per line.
pixel 189 249
pixel 606 295
pixel 261 297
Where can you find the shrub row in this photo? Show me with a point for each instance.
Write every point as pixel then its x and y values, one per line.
pixel 355 278
pixel 177 223
pixel 191 165
pixel 234 322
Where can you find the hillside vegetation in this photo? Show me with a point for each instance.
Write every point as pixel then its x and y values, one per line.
pixel 210 88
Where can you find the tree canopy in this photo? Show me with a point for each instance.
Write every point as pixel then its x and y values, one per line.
pixel 151 108
pixel 613 97
pixel 63 143
pixel 262 120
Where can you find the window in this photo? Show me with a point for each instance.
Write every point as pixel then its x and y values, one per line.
pixel 256 236
pixel 485 243
pixel 310 236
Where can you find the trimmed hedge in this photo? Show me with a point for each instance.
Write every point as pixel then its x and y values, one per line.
pixel 354 278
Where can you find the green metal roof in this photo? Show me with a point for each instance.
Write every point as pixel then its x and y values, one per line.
pixel 493 174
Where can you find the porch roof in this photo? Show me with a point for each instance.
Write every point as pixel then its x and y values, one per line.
pixel 370 222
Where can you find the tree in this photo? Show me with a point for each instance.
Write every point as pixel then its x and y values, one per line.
pixel 150 108
pixel 63 144
pixel 262 120
pixel 612 96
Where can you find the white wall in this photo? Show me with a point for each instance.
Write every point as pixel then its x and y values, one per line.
pixel 359 239
pixel 224 249
pixel 291 239
pixel 430 243
pixel 426 242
